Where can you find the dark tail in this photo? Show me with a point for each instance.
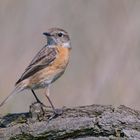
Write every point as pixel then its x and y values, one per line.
pixel 17 89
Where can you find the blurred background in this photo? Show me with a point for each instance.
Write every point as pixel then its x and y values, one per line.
pixel 105 60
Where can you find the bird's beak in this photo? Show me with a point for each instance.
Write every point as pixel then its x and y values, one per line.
pixel 47 34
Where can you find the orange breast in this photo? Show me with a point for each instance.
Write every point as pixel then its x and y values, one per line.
pixel 62 57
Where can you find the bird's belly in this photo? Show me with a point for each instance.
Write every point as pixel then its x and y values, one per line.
pixel 51 79
pixel 46 78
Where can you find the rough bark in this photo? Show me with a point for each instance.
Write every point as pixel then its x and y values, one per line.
pixel 94 122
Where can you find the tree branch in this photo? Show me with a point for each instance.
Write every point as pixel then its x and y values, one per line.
pixel 102 122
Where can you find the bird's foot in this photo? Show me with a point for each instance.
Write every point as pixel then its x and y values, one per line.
pixel 56 113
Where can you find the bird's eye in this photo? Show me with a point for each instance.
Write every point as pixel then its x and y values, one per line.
pixel 60 34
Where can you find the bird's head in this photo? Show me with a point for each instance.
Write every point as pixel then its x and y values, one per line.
pixel 57 36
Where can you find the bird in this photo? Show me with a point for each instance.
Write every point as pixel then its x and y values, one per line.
pixel 46 67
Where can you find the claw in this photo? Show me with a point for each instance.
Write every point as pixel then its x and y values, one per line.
pixel 56 113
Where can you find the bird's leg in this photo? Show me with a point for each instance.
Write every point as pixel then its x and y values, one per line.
pixel 47 93
pixel 38 101
pixel 56 111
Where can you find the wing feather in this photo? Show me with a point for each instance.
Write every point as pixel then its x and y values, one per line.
pixel 42 59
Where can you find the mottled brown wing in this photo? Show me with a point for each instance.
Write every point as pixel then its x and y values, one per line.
pixel 43 59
